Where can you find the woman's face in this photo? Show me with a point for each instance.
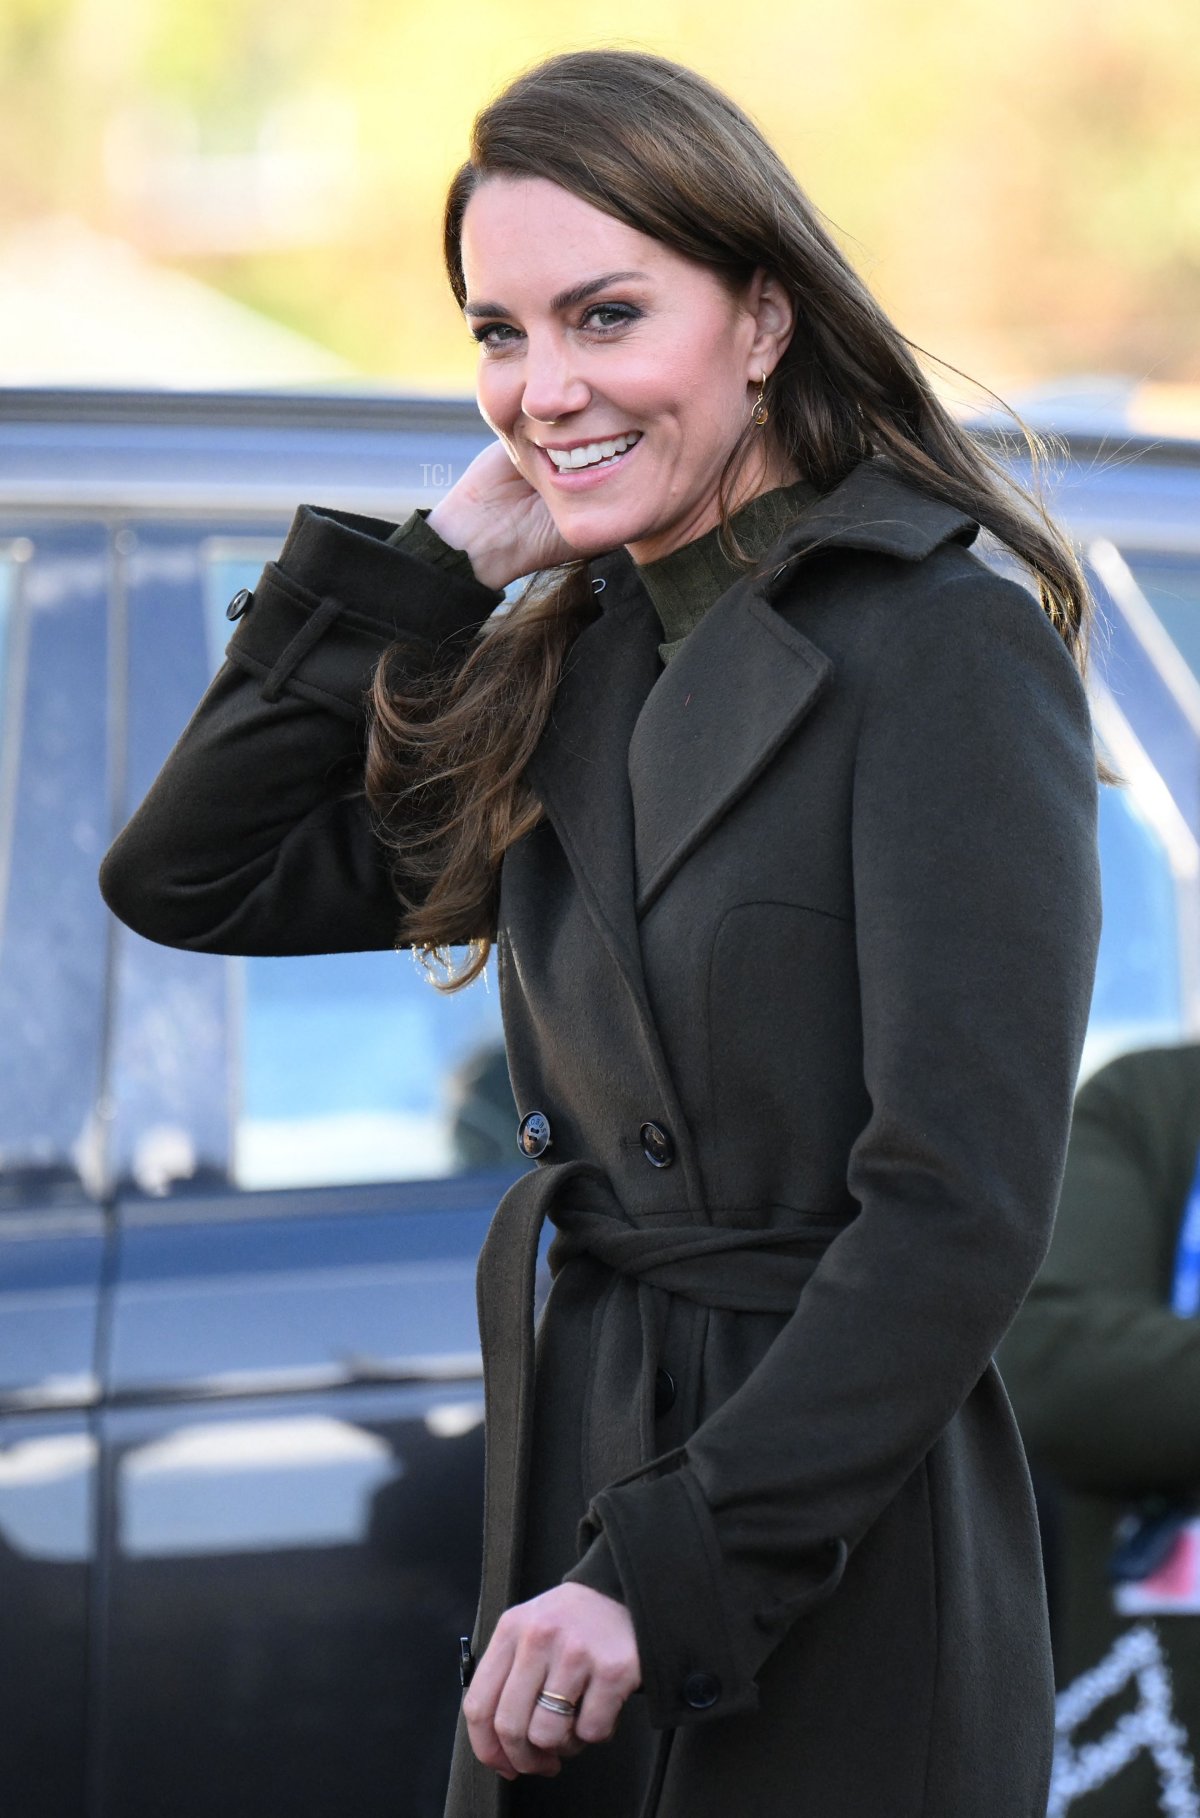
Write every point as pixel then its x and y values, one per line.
pixel 593 334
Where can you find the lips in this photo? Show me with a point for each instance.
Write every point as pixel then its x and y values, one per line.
pixel 581 455
pixel 596 471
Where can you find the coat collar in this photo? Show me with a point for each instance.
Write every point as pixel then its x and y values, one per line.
pixel 873 509
pixel 746 678
pixel 637 763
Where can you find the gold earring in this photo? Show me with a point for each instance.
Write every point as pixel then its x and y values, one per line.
pixel 761 412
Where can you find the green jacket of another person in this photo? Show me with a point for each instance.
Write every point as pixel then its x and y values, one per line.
pixel 1105 1382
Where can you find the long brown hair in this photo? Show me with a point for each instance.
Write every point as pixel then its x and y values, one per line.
pixel 656 146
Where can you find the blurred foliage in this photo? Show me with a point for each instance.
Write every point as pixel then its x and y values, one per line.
pixel 1020 182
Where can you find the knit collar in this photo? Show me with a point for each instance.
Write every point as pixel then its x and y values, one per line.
pixel 685 583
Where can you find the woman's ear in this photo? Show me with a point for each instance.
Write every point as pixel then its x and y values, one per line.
pixel 771 305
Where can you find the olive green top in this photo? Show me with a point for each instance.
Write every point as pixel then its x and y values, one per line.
pixel 685 583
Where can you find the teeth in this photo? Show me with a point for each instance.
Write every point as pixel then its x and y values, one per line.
pixel 566 459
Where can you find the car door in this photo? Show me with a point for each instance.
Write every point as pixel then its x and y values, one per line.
pixel 306 1154
pixel 55 782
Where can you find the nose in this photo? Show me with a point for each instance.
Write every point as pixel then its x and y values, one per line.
pixel 553 387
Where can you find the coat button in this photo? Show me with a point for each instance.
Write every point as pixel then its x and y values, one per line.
pixel 701 1691
pixel 533 1134
pixel 664 1392
pixel 239 604
pixel 657 1146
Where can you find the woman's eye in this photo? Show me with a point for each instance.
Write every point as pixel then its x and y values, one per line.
pixel 485 334
pixel 618 314
pixel 600 318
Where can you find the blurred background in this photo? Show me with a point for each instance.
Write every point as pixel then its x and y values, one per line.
pixel 241 1200
pixel 216 192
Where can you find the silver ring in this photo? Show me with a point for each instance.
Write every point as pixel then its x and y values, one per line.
pixel 553 1701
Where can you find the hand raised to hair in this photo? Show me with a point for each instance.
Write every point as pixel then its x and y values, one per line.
pixel 572 1641
pixel 501 521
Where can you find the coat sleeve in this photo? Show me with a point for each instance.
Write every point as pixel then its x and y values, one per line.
pixel 1104 1377
pixel 256 836
pixel 976 890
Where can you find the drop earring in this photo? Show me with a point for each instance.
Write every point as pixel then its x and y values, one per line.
pixel 761 411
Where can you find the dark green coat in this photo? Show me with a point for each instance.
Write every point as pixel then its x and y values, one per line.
pixel 1105 1379
pixel 820 899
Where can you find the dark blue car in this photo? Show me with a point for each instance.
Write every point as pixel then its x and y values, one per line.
pixel 241 1199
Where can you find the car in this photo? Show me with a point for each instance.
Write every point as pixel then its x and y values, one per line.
pixel 241 1199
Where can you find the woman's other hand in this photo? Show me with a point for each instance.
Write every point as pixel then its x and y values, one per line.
pixel 501 521
pixel 571 1640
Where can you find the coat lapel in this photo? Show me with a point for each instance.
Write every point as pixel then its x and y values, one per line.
pixel 743 682
pixel 746 679
pixel 638 764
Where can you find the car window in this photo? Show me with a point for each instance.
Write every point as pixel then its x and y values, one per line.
pixel 1144 699
pixel 353 1068
pixel 54 825
pixel 7 571
pixel 317 1070
pixel 1138 999
pixel 7 741
pixel 1171 583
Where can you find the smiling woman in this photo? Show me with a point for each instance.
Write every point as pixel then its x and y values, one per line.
pixel 779 807
pixel 679 288
pixel 659 352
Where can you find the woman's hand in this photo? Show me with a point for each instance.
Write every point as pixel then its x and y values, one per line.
pixel 571 1640
pixel 501 521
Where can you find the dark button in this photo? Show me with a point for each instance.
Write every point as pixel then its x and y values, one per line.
pixel 466 1661
pixel 239 603
pixel 664 1392
pixel 657 1146
pixel 701 1691
pixel 533 1134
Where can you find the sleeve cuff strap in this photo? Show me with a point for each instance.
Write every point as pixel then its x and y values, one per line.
pixel 665 1550
pixel 704 1630
pixel 325 647
pixel 384 582
pixel 317 650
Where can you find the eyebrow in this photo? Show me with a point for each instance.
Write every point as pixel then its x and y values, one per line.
pixel 579 293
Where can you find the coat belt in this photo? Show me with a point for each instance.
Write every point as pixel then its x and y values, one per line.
pixel 744 1270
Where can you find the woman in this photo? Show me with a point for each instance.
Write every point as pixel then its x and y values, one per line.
pixel 779 808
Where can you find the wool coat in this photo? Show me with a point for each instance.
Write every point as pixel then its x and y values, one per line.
pixel 795 969
pixel 1105 1382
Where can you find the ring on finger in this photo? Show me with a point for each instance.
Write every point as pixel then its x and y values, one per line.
pixel 554 1701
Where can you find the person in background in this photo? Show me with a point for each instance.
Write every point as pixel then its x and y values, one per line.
pixel 483 1111
pixel 1103 1369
